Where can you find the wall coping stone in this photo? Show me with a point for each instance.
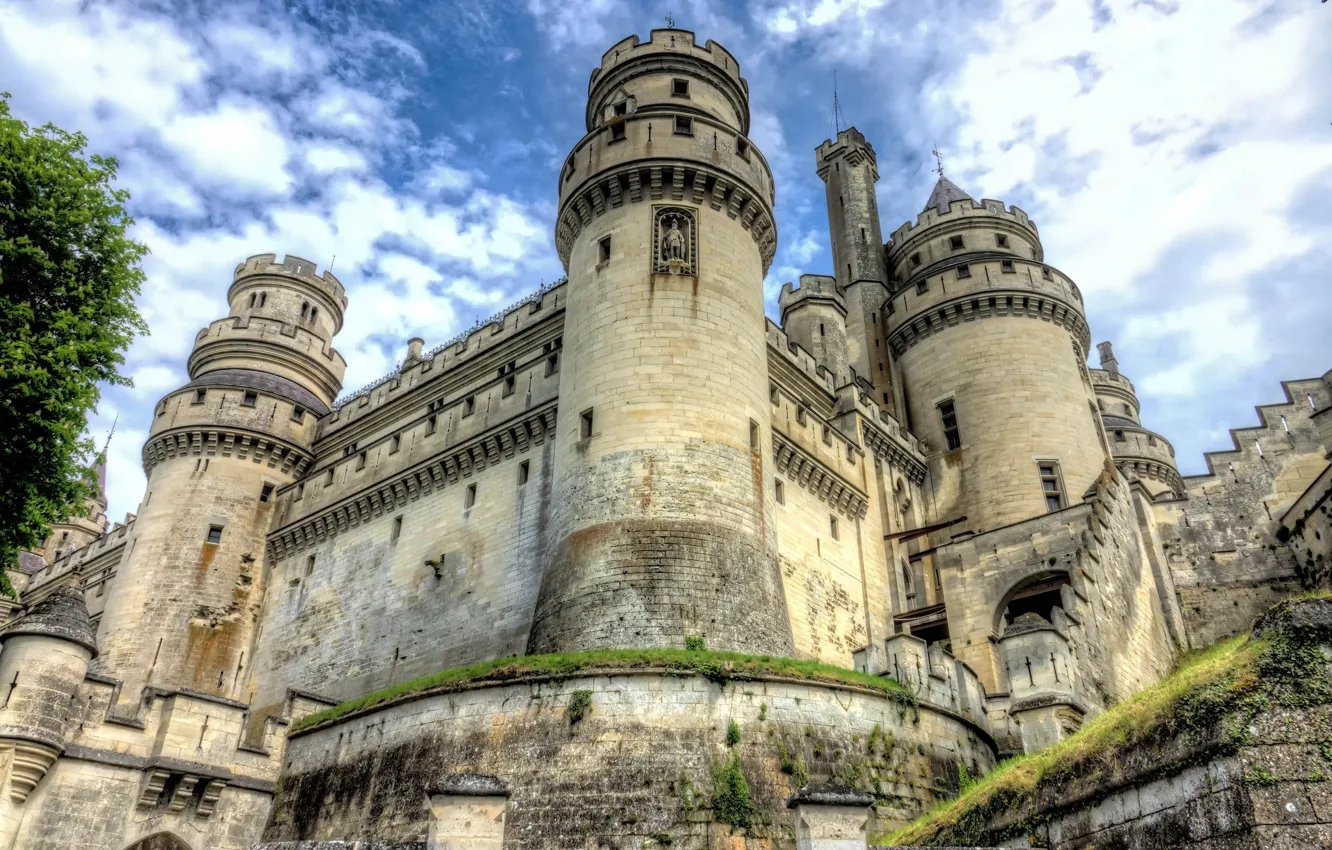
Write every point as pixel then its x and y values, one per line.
pixel 469 785
pixel 830 795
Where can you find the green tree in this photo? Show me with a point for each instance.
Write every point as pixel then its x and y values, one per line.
pixel 68 277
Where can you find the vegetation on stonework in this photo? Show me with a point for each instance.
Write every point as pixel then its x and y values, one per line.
pixel 719 667
pixel 732 733
pixel 68 277
pixel 731 803
pixel 580 703
pixel 1211 698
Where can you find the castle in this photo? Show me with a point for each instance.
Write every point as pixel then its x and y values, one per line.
pixel 914 476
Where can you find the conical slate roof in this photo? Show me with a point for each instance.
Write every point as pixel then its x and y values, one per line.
pixel 63 614
pixel 945 192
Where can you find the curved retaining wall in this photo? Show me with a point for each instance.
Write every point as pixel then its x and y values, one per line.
pixel 636 768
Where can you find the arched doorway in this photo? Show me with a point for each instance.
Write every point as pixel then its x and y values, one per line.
pixel 160 841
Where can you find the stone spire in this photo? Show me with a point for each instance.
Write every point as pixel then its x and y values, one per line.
pixel 945 192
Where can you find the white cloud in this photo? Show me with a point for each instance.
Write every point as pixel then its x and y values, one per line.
pixel 235 148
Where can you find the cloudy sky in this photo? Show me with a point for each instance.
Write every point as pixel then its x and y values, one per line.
pixel 1177 155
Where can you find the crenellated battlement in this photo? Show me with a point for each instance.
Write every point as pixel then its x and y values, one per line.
pixel 812 287
pixel 849 147
pixel 932 673
pixel 798 357
pixel 291 266
pixel 259 327
pixel 968 213
pixel 668 41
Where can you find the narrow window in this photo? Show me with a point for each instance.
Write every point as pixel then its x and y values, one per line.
pixel 922 287
pixel 684 126
pixel 305 309
pixel 772 393
pixel 754 436
pixel 252 297
pixel 841 202
pixel 742 148
pixel 214 534
pixel 309 565
pixel 328 479
pixel 963 272
pixel 1151 440
pixel 862 234
pixel 1285 425
pixel 510 382
pixel 360 460
pixel 1001 240
pixel 850 453
pixel 1045 273
pixel 604 245
pixel 263 298
pixel 470 498
pixel 827 436
pixel 395 443
pixel 832 527
pixel 1050 486
pixel 948 416
pixel 300 492
pixel 199 396
pixel 553 363
pixel 1006 266
pixel 915 260
pixel 621 108
pixel 779 491
pixel 397 531
pixel 820 328
pixel 617 132
pixel 938 579
pixel 314 313
pixel 469 405
pixel 431 421
pixel 1119 436
pixel 522 473
pixel 800 415
pixel 955 242
pixel 266 494
pixel 680 88
pixel 298 414
pixel 569 168
pixel 585 424
pixel 250 398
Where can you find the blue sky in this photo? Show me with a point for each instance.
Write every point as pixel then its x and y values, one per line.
pixel 1177 155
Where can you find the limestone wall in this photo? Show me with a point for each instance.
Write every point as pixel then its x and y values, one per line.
pixel 635 769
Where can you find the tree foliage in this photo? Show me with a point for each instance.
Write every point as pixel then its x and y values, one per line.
pixel 68 277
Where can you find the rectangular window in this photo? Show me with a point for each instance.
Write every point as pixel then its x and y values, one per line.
pixel 915 260
pixel 298 414
pixel 1045 273
pixel 1001 240
pixel 827 436
pixel 832 526
pixel 553 363
pixel 772 393
pixel 309 565
pixel 955 242
pixel 199 396
pixel 431 422
pixel 397 531
pixel 585 424
pixel 1006 266
pixel 742 148
pixel 680 88
pixel 800 415
pixel 360 460
pixel 266 494
pixel 328 479
pixel 250 398
pixel 395 443
pixel 617 131
pixel 621 108
pixel 469 405
pixel 963 272
pixel 684 126
pixel 1051 486
pixel 938 579
pixel 470 498
pixel 510 383
pixel 214 534
pixel 604 247
pixel 753 436
pixel 300 492
pixel 522 473
pixel 948 416
pixel 922 287
pixel 1119 436
pixel 779 491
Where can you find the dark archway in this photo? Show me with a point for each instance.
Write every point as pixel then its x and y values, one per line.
pixel 160 841
pixel 1038 594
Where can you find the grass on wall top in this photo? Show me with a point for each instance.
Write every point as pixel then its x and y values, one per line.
pixel 1211 696
pixel 720 667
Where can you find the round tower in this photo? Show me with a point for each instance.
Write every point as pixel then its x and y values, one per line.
pixel 43 661
pixel 220 447
pixel 662 525
pixel 1137 450
pixel 814 317
pixel 77 531
pixel 992 345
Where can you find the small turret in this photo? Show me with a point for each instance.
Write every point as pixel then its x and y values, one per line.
pixel 1137 450
pixel 43 660
pixel 814 317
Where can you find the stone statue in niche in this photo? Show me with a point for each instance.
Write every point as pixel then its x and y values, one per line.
pixel 675 241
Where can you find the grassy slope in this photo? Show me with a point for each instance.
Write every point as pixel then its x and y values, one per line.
pixel 717 666
pixel 1241 675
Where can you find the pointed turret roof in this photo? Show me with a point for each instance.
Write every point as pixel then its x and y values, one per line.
pixel 63 614
pixel 945 192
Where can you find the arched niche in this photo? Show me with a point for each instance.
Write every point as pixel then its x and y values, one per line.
pixel 159 841
pixel 1039 593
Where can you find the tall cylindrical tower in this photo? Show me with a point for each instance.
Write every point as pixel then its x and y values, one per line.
pixel 188 589
pixel 662 526
pixel 1137 450
pixel 992 346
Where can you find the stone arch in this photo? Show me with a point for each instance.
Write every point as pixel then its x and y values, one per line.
pixel 159 841
pixel 1037 591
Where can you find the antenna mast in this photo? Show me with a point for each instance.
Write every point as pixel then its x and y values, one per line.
pixel 838 118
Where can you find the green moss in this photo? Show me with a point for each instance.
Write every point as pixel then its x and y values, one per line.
pixel 763 711
pixel 695 643
pixel 732 733
pixel 731 803
pixel 719 667
pixel 1211 699
pixel 665 839
pixel 579 705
